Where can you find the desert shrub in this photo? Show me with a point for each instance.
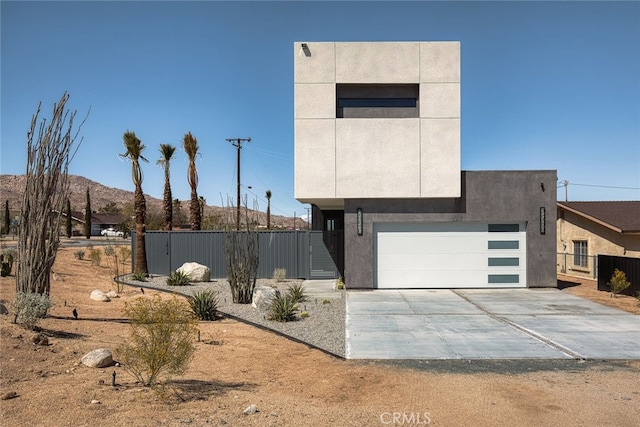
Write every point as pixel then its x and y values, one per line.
pixel 340 283
pixel 618 282
pixel 279 275
pixel 204 304
pixel 6 261
pixel 242 257
pixel 29 308
pixel 297 293
pixel 125 254
pixel 139 276
pixel 283 309
pixel 95 255
pixel 304 314
pixel 326 301
pixel 178 278
pixel 161 339
pixel 79 254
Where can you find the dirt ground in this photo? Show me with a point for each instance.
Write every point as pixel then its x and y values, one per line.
pixel 237 365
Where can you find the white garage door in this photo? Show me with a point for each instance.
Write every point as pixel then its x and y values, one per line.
pixel 449 255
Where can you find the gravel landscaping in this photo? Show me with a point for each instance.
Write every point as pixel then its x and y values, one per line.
pixel 323 329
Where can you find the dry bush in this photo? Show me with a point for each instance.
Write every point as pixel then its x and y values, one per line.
pixel 161 339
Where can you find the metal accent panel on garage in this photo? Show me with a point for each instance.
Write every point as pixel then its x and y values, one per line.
pixel 449 255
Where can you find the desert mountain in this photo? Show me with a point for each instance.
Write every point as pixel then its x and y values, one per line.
pixel 12 188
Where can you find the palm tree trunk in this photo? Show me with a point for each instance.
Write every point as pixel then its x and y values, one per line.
pixel 167 201
pixel 140 207
pixel 195 211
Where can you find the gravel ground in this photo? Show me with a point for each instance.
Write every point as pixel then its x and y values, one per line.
pixel 323 329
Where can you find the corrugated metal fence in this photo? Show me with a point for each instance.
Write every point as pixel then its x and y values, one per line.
pixel 294 251
pixel 631 267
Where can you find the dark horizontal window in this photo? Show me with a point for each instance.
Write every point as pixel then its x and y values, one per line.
pixel 504 262
pixel 504 228
pixel 504 244
pixel 376 102
pixel 504 278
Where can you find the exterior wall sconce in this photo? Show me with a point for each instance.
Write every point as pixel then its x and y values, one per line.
pixel 359 226
pixel 543 219
pixel 305 49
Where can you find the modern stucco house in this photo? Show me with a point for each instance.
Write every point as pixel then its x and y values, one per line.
pixel 588 229
pixel 377 155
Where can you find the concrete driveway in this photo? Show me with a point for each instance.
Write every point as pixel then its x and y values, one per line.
pixel 486 324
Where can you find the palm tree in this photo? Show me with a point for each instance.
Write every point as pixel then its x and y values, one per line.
pixel 167 151
pixel 190 144
pixel 134 151
pixel 268 195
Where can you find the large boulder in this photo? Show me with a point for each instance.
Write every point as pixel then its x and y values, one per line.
pixel 263 296
pixel 100 358
pixel 99 296
pixel 196 272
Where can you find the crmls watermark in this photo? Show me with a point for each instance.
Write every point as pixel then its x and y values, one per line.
pixel 405 418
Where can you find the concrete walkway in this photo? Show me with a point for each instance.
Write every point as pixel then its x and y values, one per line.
pixel 486 324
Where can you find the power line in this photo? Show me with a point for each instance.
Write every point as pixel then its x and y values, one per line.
pixel 606 186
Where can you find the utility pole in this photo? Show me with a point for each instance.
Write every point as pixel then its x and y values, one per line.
pixel 566 190
pixel 237 142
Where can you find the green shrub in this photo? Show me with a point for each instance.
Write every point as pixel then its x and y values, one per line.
pixel 29 308
pixel 618 282
pixel 340 283
pixel 279 275
pixel 326 301
pixel 297 293
pixel 204 304
pixel 6 261
pixel 79 254
pixel 95 255
pixel 283 309
pixel 161 339
pixel 178 278
pixel 140 277
pixel 304 314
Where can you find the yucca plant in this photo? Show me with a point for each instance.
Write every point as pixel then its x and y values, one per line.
pixel 283 309
pixel 204 305
pixel 178 278
pixel 140 277
pixel 297 293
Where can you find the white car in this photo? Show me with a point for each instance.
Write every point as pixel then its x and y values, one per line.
pixel 111 232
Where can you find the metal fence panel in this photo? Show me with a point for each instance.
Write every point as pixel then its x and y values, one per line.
pixel 168 250
pixel 631 267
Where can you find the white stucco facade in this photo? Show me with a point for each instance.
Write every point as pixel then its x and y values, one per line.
pixel 338 158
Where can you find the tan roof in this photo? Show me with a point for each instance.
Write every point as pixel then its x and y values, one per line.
pixel 623 216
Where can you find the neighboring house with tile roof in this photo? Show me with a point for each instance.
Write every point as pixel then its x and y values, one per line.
pixel 588 229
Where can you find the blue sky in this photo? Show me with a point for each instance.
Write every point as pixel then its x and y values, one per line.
pixel 545 85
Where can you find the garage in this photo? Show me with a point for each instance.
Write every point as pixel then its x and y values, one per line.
pixel 449 255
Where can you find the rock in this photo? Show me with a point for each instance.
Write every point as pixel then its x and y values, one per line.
pixel 99 296
pixel 9 395
pixel 250 410
pixel 99 358
pixel 112 294
pixel 95 402
pixel 196 272
pixel 262 297
pixel 40 339
pixel 3 309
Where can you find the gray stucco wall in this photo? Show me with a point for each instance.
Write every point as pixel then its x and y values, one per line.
pixel 487 196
